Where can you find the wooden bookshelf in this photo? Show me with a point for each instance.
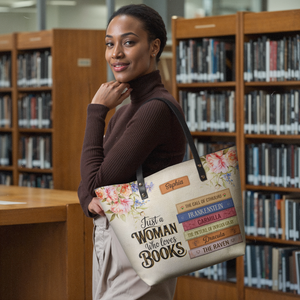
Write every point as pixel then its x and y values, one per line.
pixel 198 288
pixel 220 27
pixel 78 70
pixel 274 25
pixel 242 27
pixel 8 47
pixel 73 86
pixel 254 25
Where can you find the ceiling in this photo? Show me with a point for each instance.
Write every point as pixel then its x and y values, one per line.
pixel 14 6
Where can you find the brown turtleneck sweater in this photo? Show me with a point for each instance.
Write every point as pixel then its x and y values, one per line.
pixel 150 136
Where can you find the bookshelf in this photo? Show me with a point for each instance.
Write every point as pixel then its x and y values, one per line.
pixel 76 69
pixel 280 82
pixel 7 93
pixel 274 83
pixel 50 92
pixel 190 38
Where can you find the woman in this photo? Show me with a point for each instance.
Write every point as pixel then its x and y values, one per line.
pixel 149 135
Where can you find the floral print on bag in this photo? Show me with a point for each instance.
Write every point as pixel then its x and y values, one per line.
pixel 221 165
pixel 123 200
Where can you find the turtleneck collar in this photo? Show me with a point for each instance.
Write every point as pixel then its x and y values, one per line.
pixel 143 85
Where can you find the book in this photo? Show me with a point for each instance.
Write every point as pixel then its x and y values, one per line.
pixel 35 152
pixel 6 178
pixel 35 110
pixel 36 180
pixel 205 60
pixel 5 149
pixel 268 59
pixel 34 68
pixel 5 111
pixel 209 111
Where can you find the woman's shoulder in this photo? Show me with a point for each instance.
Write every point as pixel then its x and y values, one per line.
pixel 159 100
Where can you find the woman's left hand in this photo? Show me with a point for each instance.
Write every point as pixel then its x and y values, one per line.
pixel 95 207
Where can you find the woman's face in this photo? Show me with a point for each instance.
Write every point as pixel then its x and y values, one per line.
pixel 128 51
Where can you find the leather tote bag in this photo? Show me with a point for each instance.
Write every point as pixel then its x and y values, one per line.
pixel 181 219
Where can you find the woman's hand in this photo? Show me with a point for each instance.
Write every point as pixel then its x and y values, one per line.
pixel 95 207
pixel 112 93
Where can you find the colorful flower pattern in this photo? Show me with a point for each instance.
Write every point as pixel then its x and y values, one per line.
pixel 221 165
pixel 123 200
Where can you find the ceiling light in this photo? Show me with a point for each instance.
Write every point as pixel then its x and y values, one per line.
pixel 64 3
pixel 22 4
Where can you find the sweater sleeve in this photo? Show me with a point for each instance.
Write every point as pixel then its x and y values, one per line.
pixel 143 133
pixel 95 125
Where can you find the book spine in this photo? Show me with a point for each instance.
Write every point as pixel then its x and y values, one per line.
pixel 216 246
pixel 216 226
pixel 224 214
pixel 213 237
pixel 203 201
pixel 199 212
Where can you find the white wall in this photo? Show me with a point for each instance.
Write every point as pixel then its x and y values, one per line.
pixel 86 15
pixel 79 16
pixel 12 22
pixel 274 5
pixel 94 16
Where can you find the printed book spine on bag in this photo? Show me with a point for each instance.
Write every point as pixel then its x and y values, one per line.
pixel 198 212
pixel 203 201
pixel 213 237
pixel 216 246
pixel 203 230
pixel 195 223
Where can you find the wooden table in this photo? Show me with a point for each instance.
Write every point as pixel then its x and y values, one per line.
pixel 41 245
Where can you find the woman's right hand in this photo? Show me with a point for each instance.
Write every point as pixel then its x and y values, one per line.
pixel 111 94
pixel 95 207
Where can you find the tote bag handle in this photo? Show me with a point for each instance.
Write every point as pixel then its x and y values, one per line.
pixel 181 120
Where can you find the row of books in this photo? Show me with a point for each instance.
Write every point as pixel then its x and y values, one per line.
pixel 35 110
pixel 273 268
pixel 5 111
pixel 273 165
pixel 36 180
pixel 5 178
pixel 5 70
pixel 209 110
pixel 205 148
pixel 35 152
pixel 266 59
pixel 34 68
pixel 5 149
pixel 216 272
pixel 276 113
pixel 272 215
pixel 205 60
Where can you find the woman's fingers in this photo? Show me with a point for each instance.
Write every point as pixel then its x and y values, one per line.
pixel 95 207
pixel 112 94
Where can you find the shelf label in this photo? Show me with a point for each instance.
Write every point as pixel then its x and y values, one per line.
pixel 35 39
pixel 84 62
pixel 205 26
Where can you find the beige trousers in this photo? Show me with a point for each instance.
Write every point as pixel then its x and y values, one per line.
pixel 113 276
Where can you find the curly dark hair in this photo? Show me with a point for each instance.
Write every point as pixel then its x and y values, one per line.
pixel 150 18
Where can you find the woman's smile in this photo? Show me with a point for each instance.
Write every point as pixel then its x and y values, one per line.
pixel 119 67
